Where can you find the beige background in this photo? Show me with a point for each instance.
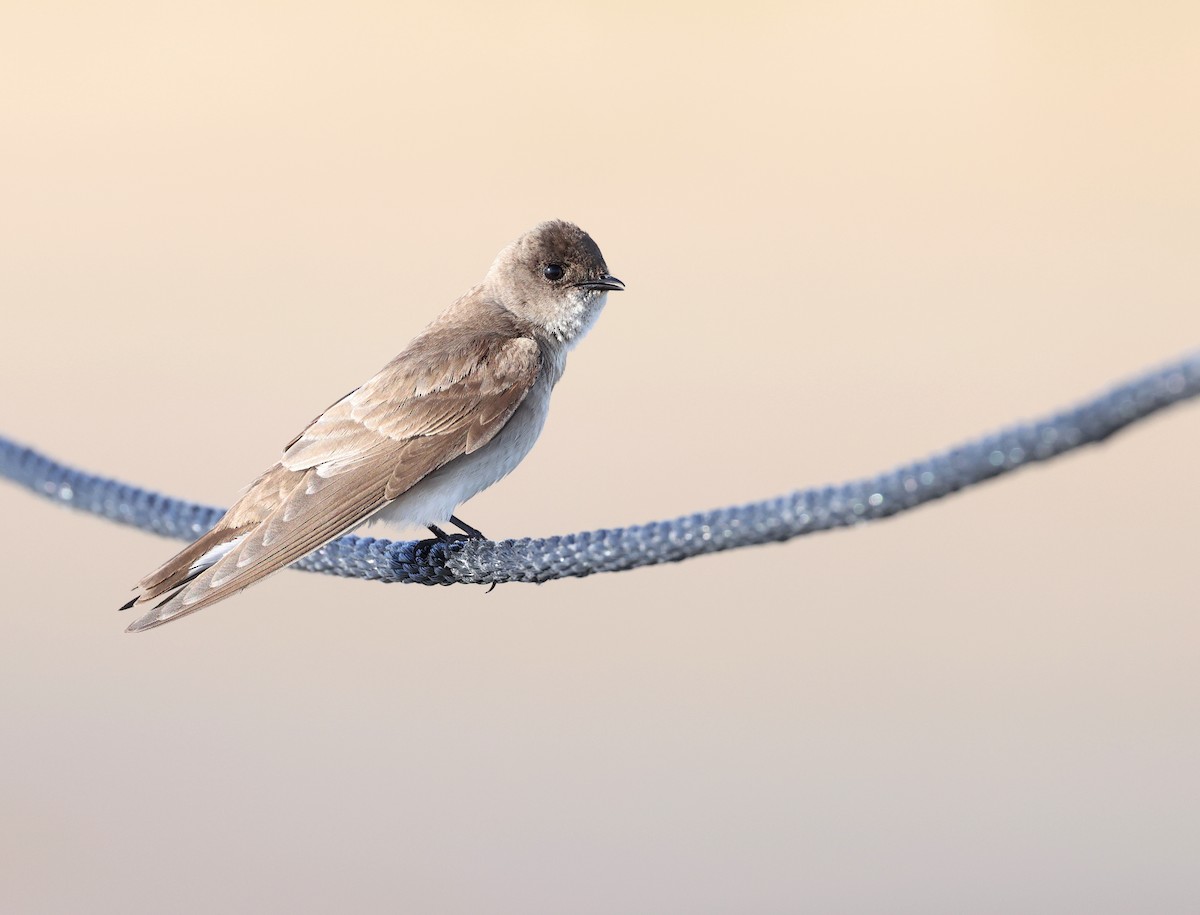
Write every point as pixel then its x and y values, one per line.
pixel 852 235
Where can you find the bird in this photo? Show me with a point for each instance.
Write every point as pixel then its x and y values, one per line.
pixel 456 411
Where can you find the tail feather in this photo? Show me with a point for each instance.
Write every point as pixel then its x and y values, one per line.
pixel 254 506
pixel 183 568
pixel 316 518
pixel 199 555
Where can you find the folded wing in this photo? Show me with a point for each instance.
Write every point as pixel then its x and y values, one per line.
pixel 446 395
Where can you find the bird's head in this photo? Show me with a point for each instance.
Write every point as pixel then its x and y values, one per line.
pixel 554 277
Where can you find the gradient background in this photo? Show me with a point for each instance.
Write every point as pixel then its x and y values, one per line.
pixel 852 235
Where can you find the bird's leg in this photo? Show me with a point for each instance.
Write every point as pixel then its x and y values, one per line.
pixel 440 537
pixel 472 533
pixel 469 533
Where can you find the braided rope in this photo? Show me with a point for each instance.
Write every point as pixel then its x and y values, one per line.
pixel 535 560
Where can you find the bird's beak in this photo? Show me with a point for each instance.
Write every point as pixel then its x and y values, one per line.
pixel 605 282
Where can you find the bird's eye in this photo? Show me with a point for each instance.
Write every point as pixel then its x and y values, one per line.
pixel 553 272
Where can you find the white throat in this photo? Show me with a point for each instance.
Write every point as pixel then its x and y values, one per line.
pixel 575 322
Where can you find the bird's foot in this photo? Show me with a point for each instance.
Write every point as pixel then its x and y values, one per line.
pixel 471 532
pixel 440 536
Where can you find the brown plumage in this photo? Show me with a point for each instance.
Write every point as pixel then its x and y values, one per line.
pixel 435 413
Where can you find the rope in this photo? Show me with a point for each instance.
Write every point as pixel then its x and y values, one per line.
pixel 536 560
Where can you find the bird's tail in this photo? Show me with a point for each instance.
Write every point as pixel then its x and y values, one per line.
pixel 185 565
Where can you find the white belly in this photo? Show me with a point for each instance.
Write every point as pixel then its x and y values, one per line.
pixel 435 498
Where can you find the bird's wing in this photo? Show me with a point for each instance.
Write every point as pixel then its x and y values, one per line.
pixel 445 396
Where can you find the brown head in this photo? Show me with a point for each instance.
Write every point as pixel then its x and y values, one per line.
pixel 554 277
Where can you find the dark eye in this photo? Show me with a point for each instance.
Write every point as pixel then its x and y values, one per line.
pixel 553 272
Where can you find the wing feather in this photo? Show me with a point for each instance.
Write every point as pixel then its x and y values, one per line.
pixel 447 395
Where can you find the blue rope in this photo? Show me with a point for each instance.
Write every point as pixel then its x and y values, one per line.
pixel 535 560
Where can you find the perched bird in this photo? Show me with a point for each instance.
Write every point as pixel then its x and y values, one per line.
pixel 453 413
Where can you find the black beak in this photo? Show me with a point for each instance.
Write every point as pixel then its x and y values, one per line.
pixel 605 282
